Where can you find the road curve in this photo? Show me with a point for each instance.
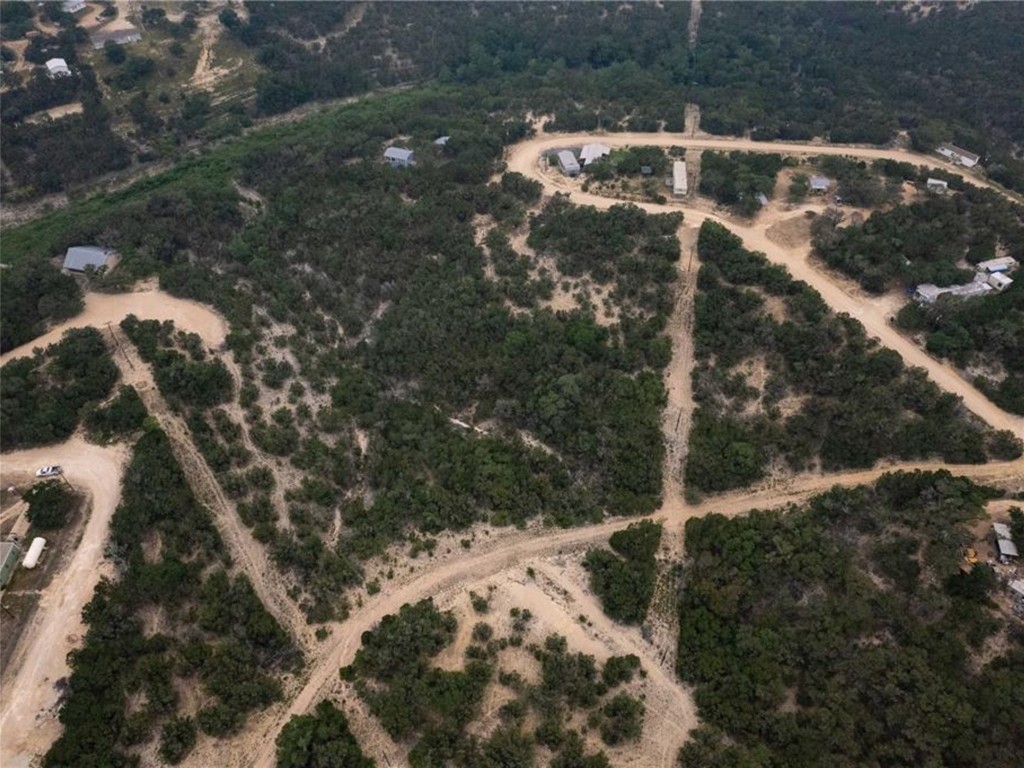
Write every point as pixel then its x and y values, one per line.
pixel 27 720
pixel 525 158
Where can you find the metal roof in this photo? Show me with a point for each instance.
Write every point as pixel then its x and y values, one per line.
pixel 961 152
pixel 1002 530
pixel 79 257
pixel 568 160
pixel 592 152
pixel 1007 548
pixel 398 153
pixel 820 182
pixel 441 140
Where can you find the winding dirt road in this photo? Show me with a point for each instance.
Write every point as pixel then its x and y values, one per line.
pixel 525 158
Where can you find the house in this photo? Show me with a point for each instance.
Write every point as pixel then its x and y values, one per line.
pixel 593 152
pixel 1002 264
pixel 929 294
pixel 72 6
pixel 10 555
pixel 567 162
pixel 679 178
pixel 1000 281
pixel 99 38
pixel 441 140
pixel 937 185
pixel 820 184
pixel 400 157
pixel 958 156
pixel 57 68
pixel 81 257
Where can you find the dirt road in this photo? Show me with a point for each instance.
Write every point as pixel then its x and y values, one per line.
pixel 27 719
pixel 146 303
pixel 524 158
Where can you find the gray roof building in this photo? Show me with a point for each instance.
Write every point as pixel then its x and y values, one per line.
pixel 10 554
pixel 820 183
pixel 81 257
pixel 99 38
pixel 399 157
pixel 567 162
pixel 441 140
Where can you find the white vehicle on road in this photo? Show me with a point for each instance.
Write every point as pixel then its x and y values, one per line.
pixel 49 471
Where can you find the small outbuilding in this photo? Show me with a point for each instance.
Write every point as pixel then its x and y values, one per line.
pixel 820 184
pixel 1002 264
pixel 762 199
pixel 72 6
pixel 79 258
pixel 958 156
pixel 567 162
pixel 441 140
pixel 10 554
pixel 57 68
pixel 1017 589
pixel 593 152
pixel 399 157
pixel 1005 545
pixel 937 185
pixel 679 186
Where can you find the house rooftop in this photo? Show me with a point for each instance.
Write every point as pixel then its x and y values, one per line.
pixel 1007 548
pixel 962 152
pixel 80 257
pixel 820 183
pixel 398 153
pixel 1002 530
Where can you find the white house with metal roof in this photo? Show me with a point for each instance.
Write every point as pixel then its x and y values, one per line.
pixel 400 157
pixel 1002 264
pixel 79 258
pixel 937 185
pixel 593 152
pixel 57 68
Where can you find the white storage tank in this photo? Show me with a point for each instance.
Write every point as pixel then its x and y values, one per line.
pixel 34 552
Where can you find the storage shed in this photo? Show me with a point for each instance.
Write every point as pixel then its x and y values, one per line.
pixel 567 162
pixel 593 152
pixel 35 551
pixel 820 184
pixel 937 185
pixel 679 178
pixel 81 257
pixel 10 553
pixel 999 281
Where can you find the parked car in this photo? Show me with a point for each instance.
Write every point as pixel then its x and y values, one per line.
pixel 49 471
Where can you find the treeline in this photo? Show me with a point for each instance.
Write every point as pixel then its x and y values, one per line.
pixel 42 397
pixel 844 632
pixel 34 294
pixel 827 393
pixel 218 633
pixel 739 179
pixel 320 740
pixel 431 708
pixel 624 577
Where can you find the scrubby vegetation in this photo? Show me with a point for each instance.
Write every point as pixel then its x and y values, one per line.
pixel 392 673
pixel 737 179
pixel 986 334
pixel 935 240
pixel 42 397
pixel 121 417
pixel 215 632
pixel 624 577
pixel 825 395
pixel 843 632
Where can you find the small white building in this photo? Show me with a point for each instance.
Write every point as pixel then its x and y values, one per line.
pixel 762 199
pixel 958 156
pixel 1002 264
pixel 1017 589
pixel 937 185
pixel 567 162
pixel 399 157
pixel 79 258
pixel 125 36
pixel 679 186
pixel 593 152
pixel 441 140
pixel 1004 542
pixel 820 184
pixel 57 68
pixel 1000 281
pixel 72 6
